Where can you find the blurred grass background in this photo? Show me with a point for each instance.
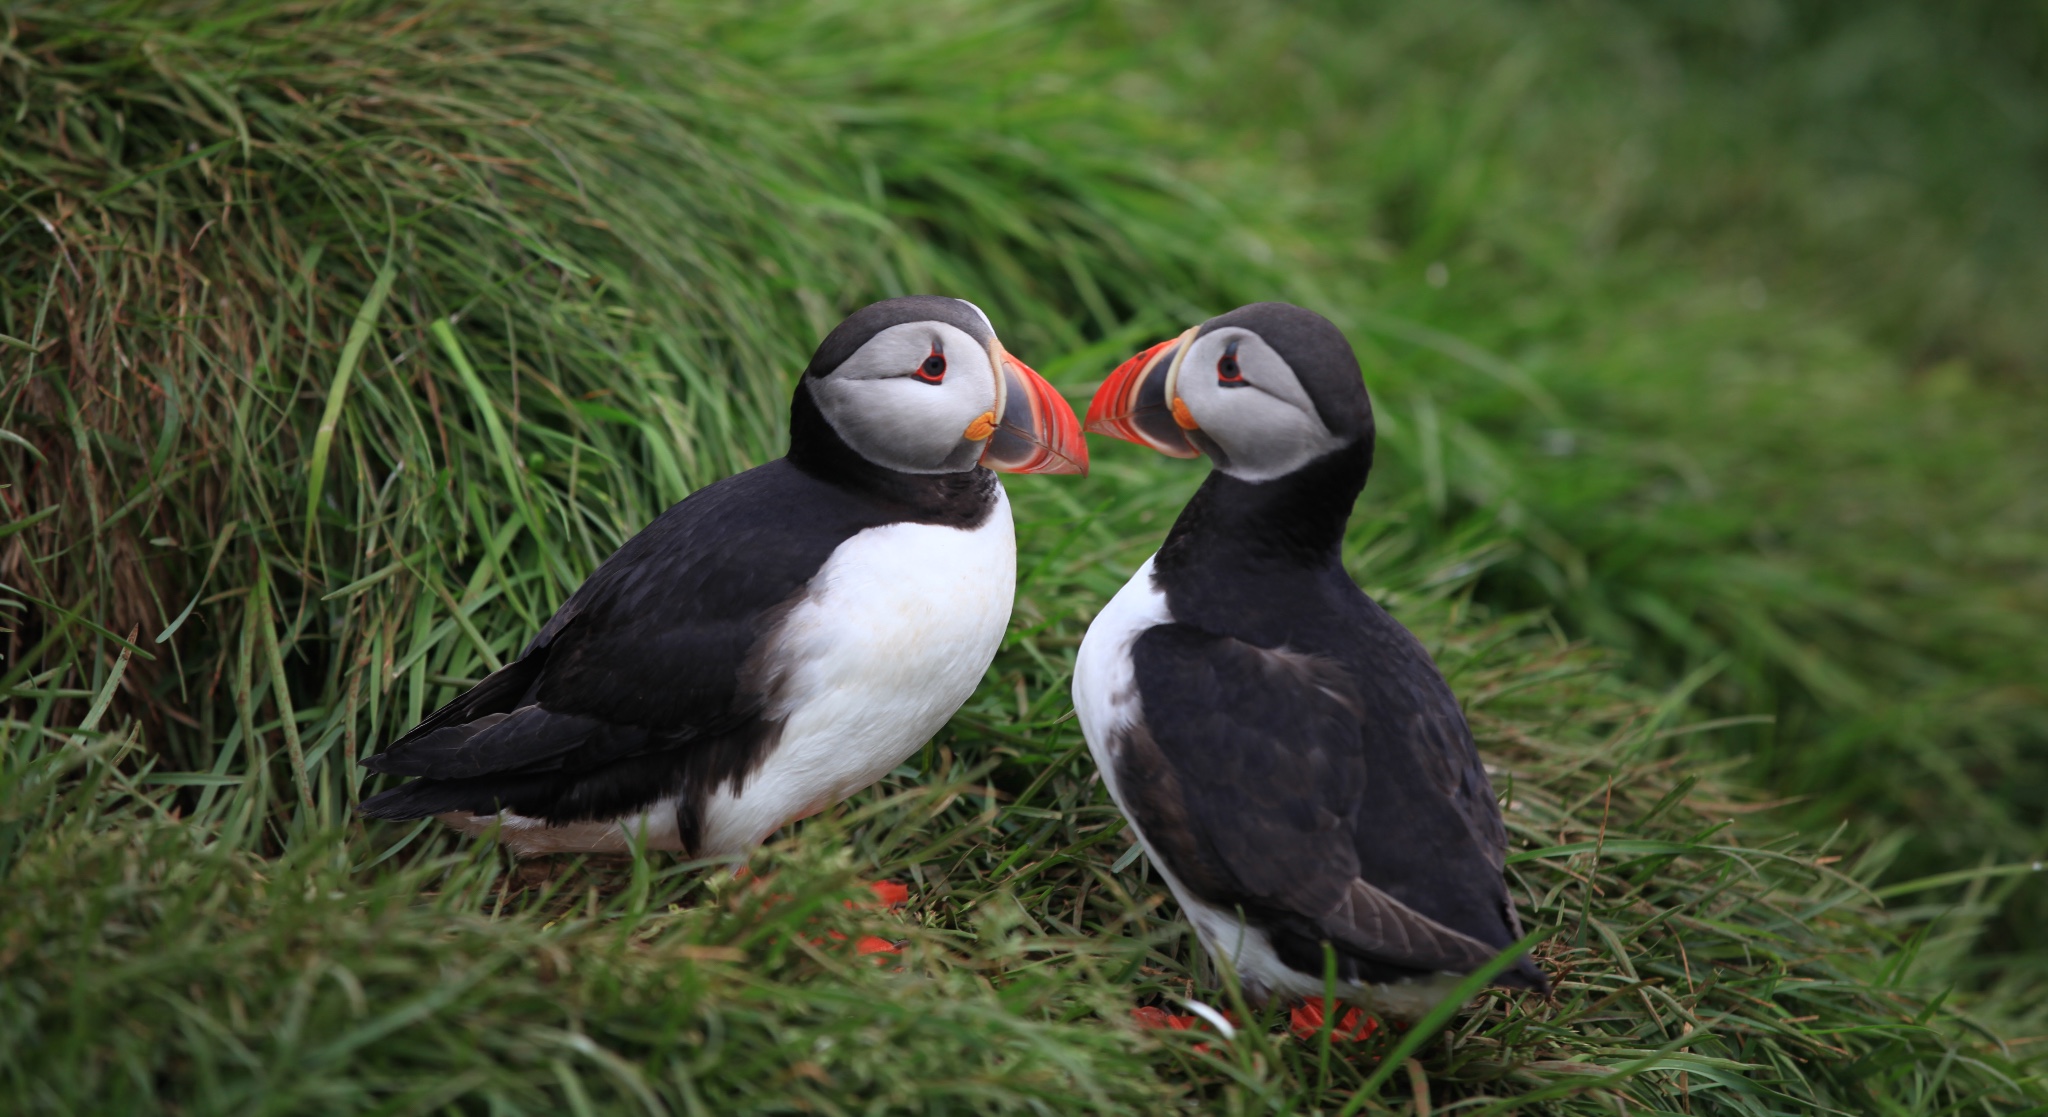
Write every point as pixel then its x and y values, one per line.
pixel 337 341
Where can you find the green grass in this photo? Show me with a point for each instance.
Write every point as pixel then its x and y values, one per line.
pixel 347 339
pixel 1694 968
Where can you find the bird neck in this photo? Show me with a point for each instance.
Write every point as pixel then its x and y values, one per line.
pixel 960 499
pixel 1291 522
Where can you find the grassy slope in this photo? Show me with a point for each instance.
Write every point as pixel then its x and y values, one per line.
pixel 611 229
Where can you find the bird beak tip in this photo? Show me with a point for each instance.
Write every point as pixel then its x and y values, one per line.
pixel 1134 403
pixel 1037 431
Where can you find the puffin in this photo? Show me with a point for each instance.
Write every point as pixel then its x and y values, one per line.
pixel 1286 752
pixel 778 640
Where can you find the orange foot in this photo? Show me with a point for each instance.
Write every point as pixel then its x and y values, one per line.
pixel 1152 1016
pixel 874 944
pixel 1307 1019
pixel 888 893
pixel 866 944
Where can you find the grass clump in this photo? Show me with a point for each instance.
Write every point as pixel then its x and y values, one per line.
pixel 158 956
pixel 346 339
pixel 157 963
pixel 311 302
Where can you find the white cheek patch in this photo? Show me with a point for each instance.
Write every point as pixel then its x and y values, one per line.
pixel 903 423
pixel 895 419
pixel 1266 427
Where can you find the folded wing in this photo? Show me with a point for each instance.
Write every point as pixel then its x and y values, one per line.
pixel 647 682
pixel 1266 781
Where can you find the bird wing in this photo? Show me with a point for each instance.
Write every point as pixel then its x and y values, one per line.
pixel 1416 721
pixel 1248 776
pixel 1425 719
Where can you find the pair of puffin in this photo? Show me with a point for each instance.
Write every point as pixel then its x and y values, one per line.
pixel 1286 752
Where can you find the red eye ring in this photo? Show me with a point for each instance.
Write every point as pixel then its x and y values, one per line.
pixel 1228 373
pixel 933 370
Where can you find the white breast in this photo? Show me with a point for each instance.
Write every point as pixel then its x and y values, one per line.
pixel 1105 693
pixel 896 632
pixel 1106 701
pixel 892 636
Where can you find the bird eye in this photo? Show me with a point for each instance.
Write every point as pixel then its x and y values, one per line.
pixel 933 370
pixel 1227 372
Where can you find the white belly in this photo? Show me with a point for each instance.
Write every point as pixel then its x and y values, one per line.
pixel 893 636
pixel 899 628
pixel 1105 694
pixel 1106 701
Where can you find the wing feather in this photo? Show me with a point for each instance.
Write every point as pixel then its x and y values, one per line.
pixel 1329 805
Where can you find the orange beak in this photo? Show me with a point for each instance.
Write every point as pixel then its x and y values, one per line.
pixel 1037 431
pixel 1138 403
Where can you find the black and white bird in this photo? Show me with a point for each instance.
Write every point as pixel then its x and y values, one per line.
pixel 778 640
pixel 1287 753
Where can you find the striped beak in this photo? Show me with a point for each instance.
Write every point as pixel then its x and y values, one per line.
pixel 1035 431
pixel 1138 402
